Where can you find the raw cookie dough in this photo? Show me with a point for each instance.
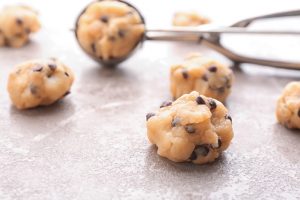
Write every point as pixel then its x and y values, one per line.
pixel 193 128
pixel 189 19
pixel 288 106
pixel 109 29
pixel 202 74
pixel 39 82
pixel 16 24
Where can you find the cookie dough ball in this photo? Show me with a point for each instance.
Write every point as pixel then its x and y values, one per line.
pixel 16 24
pixel 109 29
pixel 189 19
pixel 288 106
pixel 193 128
pixel 202 74
pixel 39 83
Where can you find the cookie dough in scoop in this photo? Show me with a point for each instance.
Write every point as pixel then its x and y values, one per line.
pixel 109 29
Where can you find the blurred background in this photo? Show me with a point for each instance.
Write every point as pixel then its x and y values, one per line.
pixel 93 144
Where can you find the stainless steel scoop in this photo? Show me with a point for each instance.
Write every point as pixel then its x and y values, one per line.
pixel 209 35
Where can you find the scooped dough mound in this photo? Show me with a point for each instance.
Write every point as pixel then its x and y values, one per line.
pixel 39 83
pixel 194 128
pixel 189 19
pixel 202 74
pixel 288 106
pixel 16 25
pixel 109 29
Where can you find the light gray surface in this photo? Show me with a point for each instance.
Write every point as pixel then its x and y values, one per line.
pixel 93 144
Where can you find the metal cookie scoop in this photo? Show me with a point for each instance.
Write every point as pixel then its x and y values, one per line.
pixel 209 35
pixel 112 61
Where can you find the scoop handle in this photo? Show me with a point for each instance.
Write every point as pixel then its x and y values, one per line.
pixel 176 32
pixel 251 60
pixel 196 36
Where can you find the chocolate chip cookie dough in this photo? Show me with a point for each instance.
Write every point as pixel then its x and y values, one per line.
pixel 202 74
pixel 189 19
pixel 39 82
pixel 109 29
pixel 288 106
pixel 193 128
pixel 16 24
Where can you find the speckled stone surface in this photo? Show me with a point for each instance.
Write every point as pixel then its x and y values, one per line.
pixel 93 144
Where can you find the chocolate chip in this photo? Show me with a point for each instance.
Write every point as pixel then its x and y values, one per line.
pixel 228 84
pixel 185 74
pixel 66 73
pixel 52 66
pixel 221 89
pixel 298 112
pixel 18 71
pixel 212 104
pixel 201 150
pixel 175 122
pixel 27 30
pixel 149 115
pixel 104 19
pixel 112 38
pixel 193 156
pixel 165 104
pixel 93 46
pixel 190 129
pixel 229 117
pixel 18 35
pixel 204 77
pixel 200 100
pixel 6 42
pixel 33 89
pixel 67 93
pixel 219 142
pixel 37 68
pixel 213 69
pixel 19 21
pixel 121 33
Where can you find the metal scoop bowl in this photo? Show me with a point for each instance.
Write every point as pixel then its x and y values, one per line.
pixel 208 35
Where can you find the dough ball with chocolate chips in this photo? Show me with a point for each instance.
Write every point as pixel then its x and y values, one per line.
pixel 194 128
pixel 288 106
pixel 202 74
pixel 39 83
pixel 109 29
pixel 16 24
pixel 189 19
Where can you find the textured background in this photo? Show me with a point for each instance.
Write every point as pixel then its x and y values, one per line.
pixel 93 144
